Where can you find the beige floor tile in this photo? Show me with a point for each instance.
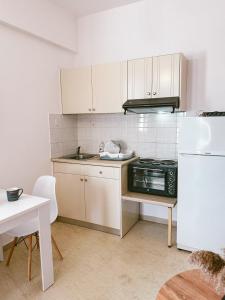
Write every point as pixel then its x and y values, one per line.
pixel 97 266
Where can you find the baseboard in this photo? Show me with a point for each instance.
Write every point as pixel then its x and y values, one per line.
pixel 88 225
pixel 156 220
pixel 186 248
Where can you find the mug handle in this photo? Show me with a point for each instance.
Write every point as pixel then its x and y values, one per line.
pixel 20 193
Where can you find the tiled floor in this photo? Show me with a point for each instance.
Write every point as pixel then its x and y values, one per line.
pixel 98 266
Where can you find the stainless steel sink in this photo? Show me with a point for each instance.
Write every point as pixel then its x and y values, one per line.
pixel 80 156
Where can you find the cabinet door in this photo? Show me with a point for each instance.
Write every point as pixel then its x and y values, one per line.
pixel 70 196
pixel 140 78
pixel 76 90
pixel 109 83
pixel 166 76
pixel 102 201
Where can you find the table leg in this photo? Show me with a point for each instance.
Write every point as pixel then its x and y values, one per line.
pixel 1 253
pixel 170 220
pixel 45 247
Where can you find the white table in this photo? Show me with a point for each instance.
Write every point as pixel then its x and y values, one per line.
pixel 27 207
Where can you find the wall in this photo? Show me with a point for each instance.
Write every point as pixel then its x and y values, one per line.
pixel 153 27
pixel 42 19
pixel 30 89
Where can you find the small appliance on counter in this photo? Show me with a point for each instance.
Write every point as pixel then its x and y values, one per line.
pixel 150 176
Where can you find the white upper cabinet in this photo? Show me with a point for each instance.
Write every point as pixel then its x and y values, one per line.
pixel 109 82
pixel 158 77
pixel 104 88
pixel 76 90
pixel 96 89
pixel 140 78
pixel 166 76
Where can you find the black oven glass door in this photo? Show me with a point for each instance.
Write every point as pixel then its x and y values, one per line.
pixel 149 179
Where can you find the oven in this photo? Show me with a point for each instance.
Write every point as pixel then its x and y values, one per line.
pixel 150 178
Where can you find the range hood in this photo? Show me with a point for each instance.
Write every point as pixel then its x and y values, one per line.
pixel 151 105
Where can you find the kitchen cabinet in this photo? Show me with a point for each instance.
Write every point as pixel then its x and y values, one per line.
pixel 76 90
pixel 96 89
pixel 104 88
pixel 109 82
pixel 158 77
pixel 92 196
pixel 102 205
pixel 165 78
pixel 139 78
pixel 70 195
pixel 89 194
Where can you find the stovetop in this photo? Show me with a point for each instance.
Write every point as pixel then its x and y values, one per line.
pixel 149 162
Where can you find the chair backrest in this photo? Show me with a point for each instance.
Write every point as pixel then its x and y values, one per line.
pixel 45 187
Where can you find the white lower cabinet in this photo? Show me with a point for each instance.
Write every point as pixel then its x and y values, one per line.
pixel 70 196
pixel 101 200
pixel 93 199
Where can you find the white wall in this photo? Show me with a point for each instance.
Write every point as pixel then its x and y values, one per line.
pixel 41 18
pixel 29 90
pixel 153 27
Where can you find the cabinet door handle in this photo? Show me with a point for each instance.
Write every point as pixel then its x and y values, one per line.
pixel 85 180
pixel 148 93
pixel 93 109
pixel 81 179
pixel 154 93
pixel 89 109
pixel 100 172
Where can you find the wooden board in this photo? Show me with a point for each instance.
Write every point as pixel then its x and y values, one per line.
pixel 130 210
pixel 189 285
pixel 150 199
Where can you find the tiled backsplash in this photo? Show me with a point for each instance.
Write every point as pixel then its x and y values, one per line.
pixel 63 134
pixel 152 135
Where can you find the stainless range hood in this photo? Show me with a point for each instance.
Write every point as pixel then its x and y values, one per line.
pixel 151 105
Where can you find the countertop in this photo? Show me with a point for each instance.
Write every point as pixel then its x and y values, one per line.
pixel 96 161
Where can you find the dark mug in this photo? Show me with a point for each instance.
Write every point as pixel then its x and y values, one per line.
pixel 13 194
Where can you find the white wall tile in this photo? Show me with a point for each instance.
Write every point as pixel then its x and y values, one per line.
pixel 166 151
pixel 63 134
pixel 166 135
pixel 56 149
pixel 68 121
pixel 146 150
pixel 146 134
pixel 84 121
pixel 149 135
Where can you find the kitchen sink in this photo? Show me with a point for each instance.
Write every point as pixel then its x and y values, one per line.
pixel 80 156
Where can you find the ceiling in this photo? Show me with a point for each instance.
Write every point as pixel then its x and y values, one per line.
pixel 85 7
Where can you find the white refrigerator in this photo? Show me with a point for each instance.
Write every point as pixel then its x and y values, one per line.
pixel 201 184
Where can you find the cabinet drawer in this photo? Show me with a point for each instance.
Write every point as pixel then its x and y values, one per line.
pixel 67 168
pixel 99 171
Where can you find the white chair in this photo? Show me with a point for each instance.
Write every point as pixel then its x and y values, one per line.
pixel 44 187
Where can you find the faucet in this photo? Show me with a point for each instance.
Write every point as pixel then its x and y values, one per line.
pixel 78 150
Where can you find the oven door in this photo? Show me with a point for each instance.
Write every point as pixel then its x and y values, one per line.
pixel 149 180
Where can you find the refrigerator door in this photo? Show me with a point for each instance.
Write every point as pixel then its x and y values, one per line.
pixel 199 135
pixel 201 203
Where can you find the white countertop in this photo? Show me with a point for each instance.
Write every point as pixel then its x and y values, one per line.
pixel 96 161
